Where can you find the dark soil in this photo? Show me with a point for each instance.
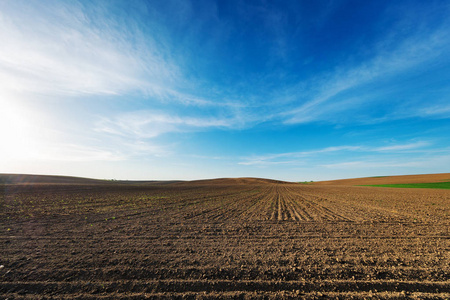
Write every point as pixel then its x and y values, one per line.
pixel 234 240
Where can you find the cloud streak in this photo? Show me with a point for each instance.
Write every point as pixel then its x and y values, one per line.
pixel 331 96
pixel 424 163
pixel 136 132
pixel 150 124
pixel 303 157
pixel 66 48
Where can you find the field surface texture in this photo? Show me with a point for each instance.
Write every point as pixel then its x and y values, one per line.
pixel 431 185
pixel 382 180
pixel 229 238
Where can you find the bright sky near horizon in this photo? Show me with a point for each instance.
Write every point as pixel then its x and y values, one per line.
pixel 290 90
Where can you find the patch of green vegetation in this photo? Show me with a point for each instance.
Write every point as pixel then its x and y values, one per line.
pixel 305 182
pixel 432 185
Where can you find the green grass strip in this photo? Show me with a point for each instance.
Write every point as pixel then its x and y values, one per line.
pixel 432 185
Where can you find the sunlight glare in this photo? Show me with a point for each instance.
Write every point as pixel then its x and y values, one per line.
pixel 17 131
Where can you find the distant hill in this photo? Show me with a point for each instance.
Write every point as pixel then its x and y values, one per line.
pixel 402 179
pixel 41 179
pixel 233 181
pixel 54 179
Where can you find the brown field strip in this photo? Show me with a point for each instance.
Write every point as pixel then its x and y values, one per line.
pixel 242 240
pixel 422 178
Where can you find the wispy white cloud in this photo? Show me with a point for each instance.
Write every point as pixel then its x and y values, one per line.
pixel 320 98
pixel 436 163
pixel 302 157
pixel 150 124
pixel 71 49
pixel 436 111
pixel 68 48
pixel 77 153
pixel 268 162
pixel 135 132
pixel 280 158
pixel 402 147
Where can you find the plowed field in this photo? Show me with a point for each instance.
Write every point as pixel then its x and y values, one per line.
pixel 229 239
pixel 403 179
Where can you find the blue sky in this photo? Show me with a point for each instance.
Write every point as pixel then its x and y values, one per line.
pixel 292 90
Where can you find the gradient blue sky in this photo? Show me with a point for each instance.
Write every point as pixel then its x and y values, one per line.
pixel 292 90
